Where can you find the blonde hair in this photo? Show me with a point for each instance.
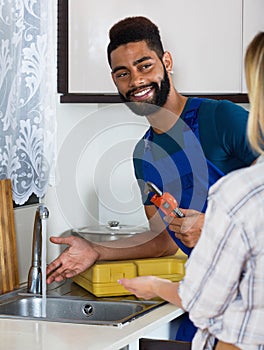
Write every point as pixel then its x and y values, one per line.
pixel 254 71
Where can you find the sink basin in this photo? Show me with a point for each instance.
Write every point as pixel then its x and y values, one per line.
pixel 74 309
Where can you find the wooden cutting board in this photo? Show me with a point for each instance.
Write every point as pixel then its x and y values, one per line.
pixel 9 279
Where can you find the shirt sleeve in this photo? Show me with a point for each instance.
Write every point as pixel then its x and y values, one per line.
pixel 214 267
pixel 231 123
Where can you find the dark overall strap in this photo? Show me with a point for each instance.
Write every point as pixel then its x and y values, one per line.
pixel 191 115
pixel 158 171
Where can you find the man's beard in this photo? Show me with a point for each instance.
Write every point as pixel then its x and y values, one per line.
pixel 158 100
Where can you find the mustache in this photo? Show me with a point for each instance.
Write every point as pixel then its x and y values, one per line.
pixel 130 92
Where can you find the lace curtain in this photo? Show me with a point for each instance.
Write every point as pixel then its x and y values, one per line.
pixel 28 95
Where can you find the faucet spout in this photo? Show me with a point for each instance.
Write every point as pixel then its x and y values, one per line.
pixel 35 274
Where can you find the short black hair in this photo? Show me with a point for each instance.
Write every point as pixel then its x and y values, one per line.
pixel 133 29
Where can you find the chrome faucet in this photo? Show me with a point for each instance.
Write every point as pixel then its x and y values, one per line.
pixel 35 275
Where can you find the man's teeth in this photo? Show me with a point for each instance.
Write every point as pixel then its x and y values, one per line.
pixel 141 93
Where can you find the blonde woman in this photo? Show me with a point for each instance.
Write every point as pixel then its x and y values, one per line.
pixel 223 289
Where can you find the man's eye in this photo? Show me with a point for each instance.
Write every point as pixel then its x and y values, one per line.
pixel 121 75
pixel 146 66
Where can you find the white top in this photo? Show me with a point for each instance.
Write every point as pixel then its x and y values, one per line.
pixel 42 335
pixel 223 289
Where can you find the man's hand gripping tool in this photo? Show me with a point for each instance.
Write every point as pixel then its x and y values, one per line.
pixel 165 201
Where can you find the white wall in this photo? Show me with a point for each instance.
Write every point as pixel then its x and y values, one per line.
pixel 94 173
pixel 24 222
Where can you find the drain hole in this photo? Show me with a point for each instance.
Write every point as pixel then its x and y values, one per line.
pixel 87 310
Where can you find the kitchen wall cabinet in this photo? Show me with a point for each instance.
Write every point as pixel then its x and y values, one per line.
pixel 207 40
pixel 204 37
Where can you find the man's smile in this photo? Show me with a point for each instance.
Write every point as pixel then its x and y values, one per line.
pixel 141 94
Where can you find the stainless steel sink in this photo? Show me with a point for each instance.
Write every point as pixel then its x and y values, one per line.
pixel 73 309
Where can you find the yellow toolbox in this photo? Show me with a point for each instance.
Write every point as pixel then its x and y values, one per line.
pixel 101 278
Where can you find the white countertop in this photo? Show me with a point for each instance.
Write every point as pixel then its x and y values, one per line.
pixel 42 335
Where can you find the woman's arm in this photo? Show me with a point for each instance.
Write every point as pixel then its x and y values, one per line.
pixel 148 287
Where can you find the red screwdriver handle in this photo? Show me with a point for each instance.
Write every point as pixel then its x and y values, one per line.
pixel 168 204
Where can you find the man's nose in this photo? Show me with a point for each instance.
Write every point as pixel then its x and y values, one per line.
pixel 136 79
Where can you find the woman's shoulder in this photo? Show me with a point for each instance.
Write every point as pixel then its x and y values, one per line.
pixel 234 187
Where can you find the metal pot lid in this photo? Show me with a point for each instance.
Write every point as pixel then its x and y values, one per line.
pixel 113 227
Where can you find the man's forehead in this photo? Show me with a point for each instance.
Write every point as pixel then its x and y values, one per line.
pixel 132 52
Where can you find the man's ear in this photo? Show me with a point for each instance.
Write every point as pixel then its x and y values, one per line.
pixel 168 61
